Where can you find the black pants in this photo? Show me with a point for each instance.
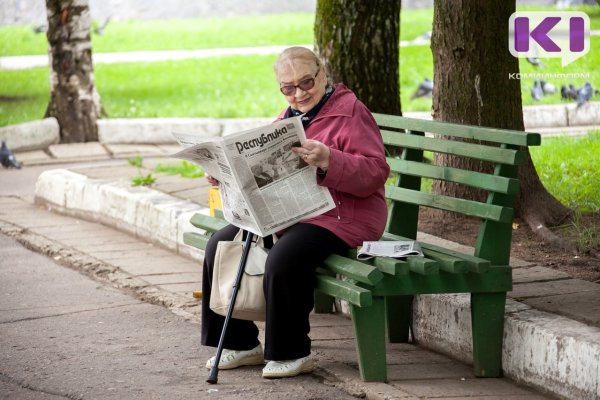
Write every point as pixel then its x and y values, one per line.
pixel 288 285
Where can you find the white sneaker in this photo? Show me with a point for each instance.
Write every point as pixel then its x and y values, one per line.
pixel 288 368
pixel 238 358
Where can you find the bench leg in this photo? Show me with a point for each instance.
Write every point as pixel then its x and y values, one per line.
pixel 369 330
pixel 487 319
pixel 323 303
pixel 398 313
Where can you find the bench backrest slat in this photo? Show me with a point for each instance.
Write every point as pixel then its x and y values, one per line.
pixel 471 178
pixel 462 206
pixel 441 145
pixel 517 138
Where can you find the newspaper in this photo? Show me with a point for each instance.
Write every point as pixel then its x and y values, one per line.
pixel 264 186
pixel 391 248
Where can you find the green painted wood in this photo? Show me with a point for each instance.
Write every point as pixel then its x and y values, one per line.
pixel 391 266
pixel 495 237
pixel 449 174
pixel 343 290
pixel 403 218
pixel 195 240
pixel 369 333
pixel 323 302
pixel 495 135
pixel 496 279
pixel 207 222
pixel 447 263
pixel 422 265
pixel 487 320
pixel 353 269
pixel 462 206
pixel 474 264
pixel 398 310
pixel 464 149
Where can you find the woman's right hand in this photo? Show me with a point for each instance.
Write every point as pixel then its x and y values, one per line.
pixel 212 180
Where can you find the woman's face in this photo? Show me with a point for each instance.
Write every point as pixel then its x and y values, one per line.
pixel 296 75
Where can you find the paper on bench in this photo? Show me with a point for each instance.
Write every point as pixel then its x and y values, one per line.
pixel 389 248
pixel 264 186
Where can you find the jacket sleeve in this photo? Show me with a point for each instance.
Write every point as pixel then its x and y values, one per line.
pixel 357 166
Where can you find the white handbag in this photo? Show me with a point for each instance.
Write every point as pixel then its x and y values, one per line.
pixel 250 301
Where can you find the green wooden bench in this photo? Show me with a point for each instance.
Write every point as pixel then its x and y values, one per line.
pixel 379 291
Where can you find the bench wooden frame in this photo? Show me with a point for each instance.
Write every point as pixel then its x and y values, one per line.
pixel 379 291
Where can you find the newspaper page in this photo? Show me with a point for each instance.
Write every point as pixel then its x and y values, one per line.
pixel 391 248
pixel 264 186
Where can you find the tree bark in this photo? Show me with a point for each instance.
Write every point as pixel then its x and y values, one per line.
pixel 74 101
pixel 358 40
pixel 472 66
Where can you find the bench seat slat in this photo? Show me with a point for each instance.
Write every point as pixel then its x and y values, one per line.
pixel 484 181
pixel 464 149
pixel 391 266
pixel 516 138
pixel 344 290
pixel 447 263
pixel 196 240
pixel 474 264
pixel 496 279
pixel 356 270
pixel 208 223
pixel 467 207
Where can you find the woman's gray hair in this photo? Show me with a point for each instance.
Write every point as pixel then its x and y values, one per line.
pixel 299 53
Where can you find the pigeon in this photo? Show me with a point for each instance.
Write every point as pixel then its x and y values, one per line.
pixel 40 29
pixel 547 88
pixel 535 62
pixel 568 93
pixel 7 158
pixel 536 91
pixel 100 29
pixel 584 94
pixel 424 89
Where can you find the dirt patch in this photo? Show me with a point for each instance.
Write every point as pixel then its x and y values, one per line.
pixel 529 247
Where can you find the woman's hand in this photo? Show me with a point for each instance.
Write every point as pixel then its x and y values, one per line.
pixel 212 180
pixel 314 153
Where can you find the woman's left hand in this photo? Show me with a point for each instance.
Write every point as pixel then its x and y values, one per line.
pixel 314 153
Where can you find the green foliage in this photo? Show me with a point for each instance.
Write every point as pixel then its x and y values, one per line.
pixel 569 167
pixel 185 169
pixel 137 161
pixel 143 180
pixel 586 236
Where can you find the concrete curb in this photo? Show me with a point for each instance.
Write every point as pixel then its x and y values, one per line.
pixel 552 353
pixel 40 135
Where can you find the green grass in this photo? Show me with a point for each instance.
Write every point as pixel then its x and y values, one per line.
pixel 569 167
pixel 185 169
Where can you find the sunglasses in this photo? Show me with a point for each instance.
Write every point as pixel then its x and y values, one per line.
pixel 305 84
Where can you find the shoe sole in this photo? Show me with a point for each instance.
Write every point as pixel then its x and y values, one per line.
pixel 256 359
pixel 306 367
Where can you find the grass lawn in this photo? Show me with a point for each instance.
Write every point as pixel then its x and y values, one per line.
pixel 225 86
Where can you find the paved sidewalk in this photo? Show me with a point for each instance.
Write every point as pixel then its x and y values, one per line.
pixel 552 330
pixel 163 277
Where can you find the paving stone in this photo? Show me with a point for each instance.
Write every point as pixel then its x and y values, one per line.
pixel 78 150
pixel 581 306
pixel 523 291
pixel 122 150
pixel 180 277
pixel 537 274
pixel 447 370
pixel 185 289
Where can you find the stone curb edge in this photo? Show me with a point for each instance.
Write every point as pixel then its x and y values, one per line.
pixel 551 353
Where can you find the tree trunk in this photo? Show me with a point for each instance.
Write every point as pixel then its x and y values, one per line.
pixel 74 101
pixel 358 40
pixel 472 66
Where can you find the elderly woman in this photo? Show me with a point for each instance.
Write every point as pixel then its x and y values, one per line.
pixel 345 147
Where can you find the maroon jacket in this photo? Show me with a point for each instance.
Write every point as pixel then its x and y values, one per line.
pixel 357 168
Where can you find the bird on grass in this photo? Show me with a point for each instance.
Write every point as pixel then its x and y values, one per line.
pixel 424 89
pixel 536 91
pixel 535 62
pixel 7 158
pixel 99 30
pixel 39 29
pixel 547 88
pixel 568 92
pixel 584 94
